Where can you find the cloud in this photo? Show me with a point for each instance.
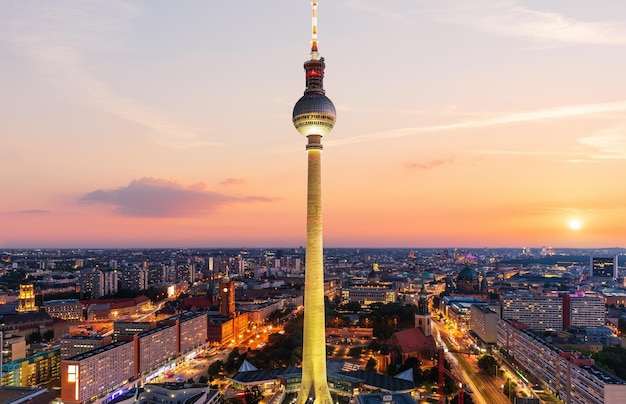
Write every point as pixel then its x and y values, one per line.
pixel 611 143
pixel 508 18
pixel 232 181
pixel 32 212
pixel 572 111
pixel 153 197
pixel 430 164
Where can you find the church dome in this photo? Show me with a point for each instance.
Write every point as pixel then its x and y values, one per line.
pixel 467 281
pixel 373 277
pixel 467 274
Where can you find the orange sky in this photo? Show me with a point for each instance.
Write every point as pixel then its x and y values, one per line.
pixel 490 124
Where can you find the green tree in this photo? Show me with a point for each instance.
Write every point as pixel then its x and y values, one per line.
pixel 215 368
pixel 34 338
pixel 48 335
pixel 371 364
pixel 353 307
pixel 374 346
pixel 488 364
pixel 392 370
pixel 355 352
pixel 415 364
pixel 621 326
pixel 612 359
pixel 509 389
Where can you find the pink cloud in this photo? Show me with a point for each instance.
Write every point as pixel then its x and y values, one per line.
pixel 233 181
pixel 154 197
pixel 429 164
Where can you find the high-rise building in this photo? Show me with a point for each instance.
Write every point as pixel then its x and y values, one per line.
pixel 314 116
pixel 98 371
pixel 110 282
pixel 583 311
pixel 72 345
pixel 26 297
pixel 135 279
pixel 540 313
pixel 603 267
pixel 567 374
pixel 227 298
pixel 484 322
pixel 92 282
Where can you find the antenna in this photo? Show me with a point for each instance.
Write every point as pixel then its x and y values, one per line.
pixel 314 54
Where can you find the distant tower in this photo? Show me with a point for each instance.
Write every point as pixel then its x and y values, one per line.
pixel 314 116
pixel 26 299
pixel 227 298
pixel 422 318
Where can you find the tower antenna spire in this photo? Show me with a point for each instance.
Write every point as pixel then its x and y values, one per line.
pixel 314 54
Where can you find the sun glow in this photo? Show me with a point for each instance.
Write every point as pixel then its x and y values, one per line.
pixel 575 224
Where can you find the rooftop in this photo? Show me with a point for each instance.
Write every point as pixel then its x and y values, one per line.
pixel 30 395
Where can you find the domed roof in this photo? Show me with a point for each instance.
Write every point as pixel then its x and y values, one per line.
pixel 314 114
pixel 467 274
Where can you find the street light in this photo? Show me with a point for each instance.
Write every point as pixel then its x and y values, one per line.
pixel 1 350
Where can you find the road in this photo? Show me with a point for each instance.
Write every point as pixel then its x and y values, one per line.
pixel 486 389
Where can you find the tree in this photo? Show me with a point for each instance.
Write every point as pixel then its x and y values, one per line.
pixel 612 359
pixel 215 368
pixel 355 352
pixel 374 346
pixel 48 335
pixel 509 389
pixel 621 325
pixel 488 364
pixel 34 338
pixel 392 370
pixel 203 379
pixel 416 365
pixel 371 364
pixel 353 307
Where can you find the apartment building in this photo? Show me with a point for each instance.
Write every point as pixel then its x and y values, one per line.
pixel 484 322
pixel 540 313
pixel 95 373
pixel 572 377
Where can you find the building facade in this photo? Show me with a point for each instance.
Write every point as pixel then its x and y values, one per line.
pixel 369 294
pixel 68 309
pixel 93 374
pixel 569 375
pixel 583 311
pixel 32 370
pixel 73 345
pixel 484 322
pixel 540 313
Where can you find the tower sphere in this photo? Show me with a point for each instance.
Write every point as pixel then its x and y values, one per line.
pixel 314 114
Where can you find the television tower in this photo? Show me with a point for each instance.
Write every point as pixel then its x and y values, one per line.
pixel 314 116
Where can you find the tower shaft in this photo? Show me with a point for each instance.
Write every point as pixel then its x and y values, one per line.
pixel 314 381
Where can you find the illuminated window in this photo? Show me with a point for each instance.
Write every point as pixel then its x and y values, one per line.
pixel 71 373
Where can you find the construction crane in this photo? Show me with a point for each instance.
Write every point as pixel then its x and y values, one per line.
pixel 443 370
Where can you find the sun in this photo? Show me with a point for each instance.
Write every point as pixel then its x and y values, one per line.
pixel 575 224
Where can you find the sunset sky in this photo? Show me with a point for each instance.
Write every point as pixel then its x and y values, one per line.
pixel 487 123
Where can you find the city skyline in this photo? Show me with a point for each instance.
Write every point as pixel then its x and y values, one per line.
pixel 494 124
